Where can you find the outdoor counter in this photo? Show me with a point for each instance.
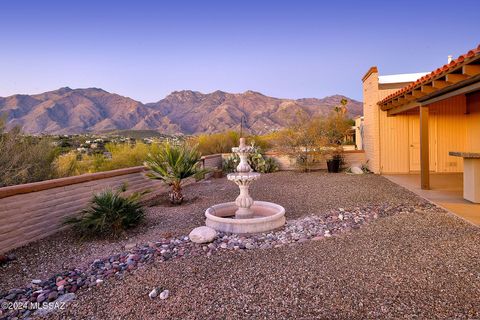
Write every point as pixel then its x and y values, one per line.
pixel 471 174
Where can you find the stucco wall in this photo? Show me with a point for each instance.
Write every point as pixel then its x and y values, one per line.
pixel 285 162
pixel 34 211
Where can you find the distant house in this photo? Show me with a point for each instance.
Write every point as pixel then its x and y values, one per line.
pixel 413 123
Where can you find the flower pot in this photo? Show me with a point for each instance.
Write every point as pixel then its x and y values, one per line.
pixel 333 165
pixel 217 174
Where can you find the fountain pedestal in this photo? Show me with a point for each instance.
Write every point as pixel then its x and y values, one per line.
pixel 245 215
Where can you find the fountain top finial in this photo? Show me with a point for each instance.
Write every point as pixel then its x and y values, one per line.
pixel 242 143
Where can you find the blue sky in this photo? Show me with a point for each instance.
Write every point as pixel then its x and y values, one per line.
pixel 289 49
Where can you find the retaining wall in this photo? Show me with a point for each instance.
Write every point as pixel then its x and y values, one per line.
pixel 33 211
pixel 286 162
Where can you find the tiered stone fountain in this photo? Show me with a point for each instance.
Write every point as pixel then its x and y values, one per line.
pixel 245 215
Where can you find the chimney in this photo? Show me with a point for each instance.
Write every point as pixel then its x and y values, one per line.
pixel 450 58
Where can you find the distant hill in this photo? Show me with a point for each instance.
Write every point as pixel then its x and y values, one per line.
pixel 69 111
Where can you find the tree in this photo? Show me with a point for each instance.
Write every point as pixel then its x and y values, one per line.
pixel 309 140
pixel 172 164
pixel 302 140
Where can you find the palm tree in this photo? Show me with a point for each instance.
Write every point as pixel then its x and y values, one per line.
pixel 172 164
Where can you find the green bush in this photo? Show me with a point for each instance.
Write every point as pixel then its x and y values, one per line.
pixel 257 161
pixel 110 213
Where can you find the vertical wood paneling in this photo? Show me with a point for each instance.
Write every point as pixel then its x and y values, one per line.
pixel 448 132
pixel 394 135
pixel 473 122
pixel 393 139
pixel 451 132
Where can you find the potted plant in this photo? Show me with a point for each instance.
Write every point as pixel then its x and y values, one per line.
pixel 217 173
pixel 335 162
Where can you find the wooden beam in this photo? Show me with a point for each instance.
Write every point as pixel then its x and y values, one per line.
pixel 418 93
pixel 409 96
pixel 471 70
pixel 401 100
pixel 404 108
pixel 424 149
pixel 463 90
pixel 455 77
pixel 439 84
pixel 386 106
pixel 427 89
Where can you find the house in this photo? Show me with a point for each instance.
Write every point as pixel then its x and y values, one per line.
pixel 424 123
pixel 358 132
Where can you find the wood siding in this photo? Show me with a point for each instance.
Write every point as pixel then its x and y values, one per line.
pixel 451 132
pixel 388 140
pixel 473 122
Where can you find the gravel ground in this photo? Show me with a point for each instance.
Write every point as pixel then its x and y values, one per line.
pixel 410 266
pixel 300 193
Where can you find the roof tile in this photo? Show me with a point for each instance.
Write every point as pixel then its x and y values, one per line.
pixel 470 54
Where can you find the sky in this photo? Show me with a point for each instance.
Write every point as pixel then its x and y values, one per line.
pixel 287 49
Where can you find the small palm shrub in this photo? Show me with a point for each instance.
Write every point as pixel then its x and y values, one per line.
pixel 172 164
pixel 109 214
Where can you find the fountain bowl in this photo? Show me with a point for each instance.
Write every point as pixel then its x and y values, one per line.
pixel 267 216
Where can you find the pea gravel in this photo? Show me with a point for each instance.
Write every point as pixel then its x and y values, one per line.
pixel 409 265
pixel 301 194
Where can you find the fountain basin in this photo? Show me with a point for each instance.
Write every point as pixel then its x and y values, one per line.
pixel 266 216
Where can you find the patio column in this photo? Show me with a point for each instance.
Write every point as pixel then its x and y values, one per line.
pixel 424 149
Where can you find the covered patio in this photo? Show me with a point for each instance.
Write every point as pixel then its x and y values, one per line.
pixel 446 190
pixel 444 110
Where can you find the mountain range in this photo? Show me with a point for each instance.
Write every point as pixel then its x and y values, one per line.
pixel 70 111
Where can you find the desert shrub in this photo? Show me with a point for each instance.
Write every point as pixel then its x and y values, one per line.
pixel 172 164
pixel 110 213
pixel 257 161
pixel 215 143
pixel 122 156
pixel 224 142
pixel 24 159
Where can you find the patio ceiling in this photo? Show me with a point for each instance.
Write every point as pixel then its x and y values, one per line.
pixel 463 72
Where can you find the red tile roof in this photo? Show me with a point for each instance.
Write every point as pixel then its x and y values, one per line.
pixel 434 74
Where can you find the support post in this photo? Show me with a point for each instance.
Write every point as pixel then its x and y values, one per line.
pixel 424 149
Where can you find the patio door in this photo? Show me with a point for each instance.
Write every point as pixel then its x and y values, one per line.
pixel 414 141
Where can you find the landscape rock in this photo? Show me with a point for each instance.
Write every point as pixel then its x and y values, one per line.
pixel 356 170
pixel 164 294
pixel 66 297
pixel 129 246
pixel 153 294
pixel 202 234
